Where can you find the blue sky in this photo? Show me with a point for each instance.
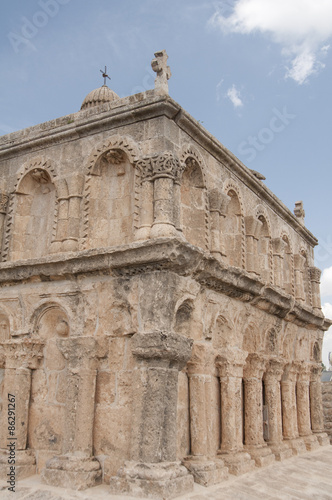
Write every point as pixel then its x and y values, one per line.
pixel 256 73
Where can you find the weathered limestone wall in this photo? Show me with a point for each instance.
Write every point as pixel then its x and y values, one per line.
pixel 327 407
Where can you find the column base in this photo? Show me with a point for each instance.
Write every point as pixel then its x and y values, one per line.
pixel 261 454
pixel 323 438
pixel 25 464
pixel 311 442
pixel 164 230
pixel 206 472
pixel 160 481
pixel 72 472
pixel 297 445
pixel 238 462
pixel 281 451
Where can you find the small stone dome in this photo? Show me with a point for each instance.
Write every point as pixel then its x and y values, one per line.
pixel 99 96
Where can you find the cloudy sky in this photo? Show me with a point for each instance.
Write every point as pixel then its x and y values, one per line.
pixel 256 73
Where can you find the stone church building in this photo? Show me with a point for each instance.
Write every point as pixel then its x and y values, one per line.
pixel 160 316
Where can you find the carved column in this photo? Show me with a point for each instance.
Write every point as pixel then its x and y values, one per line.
pixel 153 466
pixel 3 210
pixel 75 190
pixel 204 470
pixel 252 229
pixel 316 404
pixel 299 262
pixel 272 377
pixel 253 411
pixel 278 260
pixel 289 408
pixel 76 468
pixel 21 357
pixel 62 216
pixel 315 274
pixel 164 167
pixel 230 367
pixel 218 202
pixel 145 170
pixel 303 407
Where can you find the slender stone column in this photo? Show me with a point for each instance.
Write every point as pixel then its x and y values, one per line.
pixel 316 405
pixel 278 260
pixel 164 167
pixel 144 167
pixel 20 358
pixel 204 470
pixel 75 187
pixel 299 262
pixel 315 274
pixel 230 367
pixel 3 210
pixel 153 469
pixel 303 407
pixel 76 468
pixel 218 202
pixel 274 371
pixel 252 228
pixel 289 408
pixel 253 411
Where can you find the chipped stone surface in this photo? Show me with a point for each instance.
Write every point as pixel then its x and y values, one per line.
pixel 160 316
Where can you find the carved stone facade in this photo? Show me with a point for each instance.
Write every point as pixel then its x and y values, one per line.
pixel 160 312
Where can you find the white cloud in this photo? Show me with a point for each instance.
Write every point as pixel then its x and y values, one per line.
pixel 301 27
pixel 326 282
pixel 327 310
pixel 234 95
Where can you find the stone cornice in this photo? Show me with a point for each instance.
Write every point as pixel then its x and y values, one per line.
pixel 164 254
pixel 133 109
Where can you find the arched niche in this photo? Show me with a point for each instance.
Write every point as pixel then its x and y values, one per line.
pixel 34 214
pixel 233 230
pixel 111 200
pixel 183 318
pixel 52 322
pixel 193 204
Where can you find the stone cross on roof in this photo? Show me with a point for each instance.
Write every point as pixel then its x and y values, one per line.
pixel 159 65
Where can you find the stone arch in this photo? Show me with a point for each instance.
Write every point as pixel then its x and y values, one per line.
pixel 288 264
pixel 265 253
pixel 32 211
pixel 223 332
pixel 233 226
pixel 50 320
pixel 183 316
pixel 111 194
pixel 193 198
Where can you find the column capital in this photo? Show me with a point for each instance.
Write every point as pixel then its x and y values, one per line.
pixel 304 372
pixel 315 274
pixel 201 359
pixel 165 164
pixel 81 351
pixel 275 368
pixel 230 362
pixel 315 371
pixel 290 372
pixel 162 345
pixel 255 366
pixel 25 353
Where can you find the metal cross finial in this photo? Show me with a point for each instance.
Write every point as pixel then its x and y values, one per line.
pixel 105 75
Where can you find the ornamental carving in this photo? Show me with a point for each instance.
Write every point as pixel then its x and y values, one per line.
pixel 160 165
pixel 3 203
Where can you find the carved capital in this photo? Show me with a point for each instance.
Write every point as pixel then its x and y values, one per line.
pixel 160 165
pixel 254 367
pixel 230 363
pixel 162 346
pixel 315 274
pixel 201 359
pixel 304 372
pixel 25 353
pixel 315 372
pixel 82 352
pixel 274 369
pixel 3 203
pixel 290 372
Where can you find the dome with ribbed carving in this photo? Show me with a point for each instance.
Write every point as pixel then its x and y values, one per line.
pixel 99 96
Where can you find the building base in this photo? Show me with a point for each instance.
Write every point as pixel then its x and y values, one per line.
pixel 72 472
pixel 281 451
pixel 262 455
pixel 238 462
pixel 297 445
pixel 323 439
pixel 25 464
pixel 160 481
pixel 311 442
pixel 206 472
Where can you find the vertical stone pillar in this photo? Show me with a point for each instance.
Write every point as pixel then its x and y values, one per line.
pixel 3 210
pixel 76 468
pixel 272 377
pixel 62 216
pixel 316 405
pixel 299 262
pixel 253 411
pixel 204 470
pixel 289 408
pixel 144 168
pixel 252 229
pixel 164 168
pixel 303 407
pixel 21 357
pixel 315 274
pixel 230 367
pixel 278 260
pixel 75 188
pixel 153 469
pixel 218 202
